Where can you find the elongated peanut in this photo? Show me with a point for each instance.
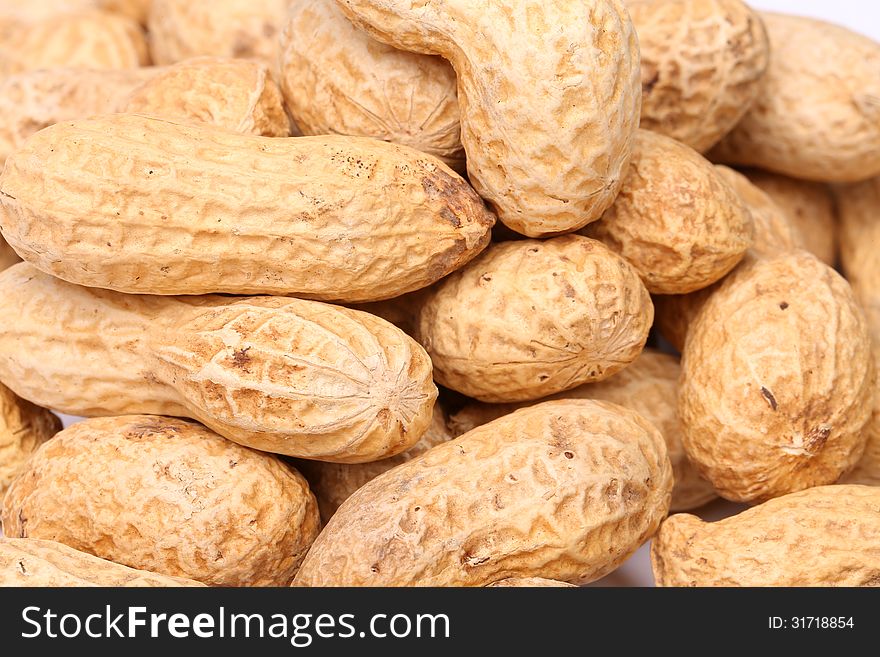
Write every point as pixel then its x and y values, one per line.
pixel 36 562
pixel 23 428
pixel 531 318
pixel 702 62
pixel 549 96
pixel 777 380
pixel 235 94
pixel 676 220
pixel 338 80
pixel 817 115
pixel 648 386
pixel 283 375
pixel 563 490
pixel 824 536
pixel 333 483
pixel 335 218
pixel 172 497
pixel 180 29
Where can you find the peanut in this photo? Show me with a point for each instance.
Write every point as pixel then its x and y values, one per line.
pixel 564 490
pixel 549 96
pixel 234 94
pixel 282 375
pixel 531 318
pixel 702 62
pixel 817 115
pixel 174 498
pixel 35 562
pixel 145 205
pixel 824 536
pixel 777 380
pixel 676 220
pixel 338 80
pixel 23 428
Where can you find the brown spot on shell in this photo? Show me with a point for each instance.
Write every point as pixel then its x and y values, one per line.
pixel 769 397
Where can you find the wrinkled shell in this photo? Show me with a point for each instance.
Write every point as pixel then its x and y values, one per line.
pixel 35 562
pixel 338 80
pixel 23 428
pixel 548 116
pixel 234 94
pixel 531 318
pixel 676 220
pixel 530 582
pixel 180 29
pixel 825 536
pixel 92 39
pixel 649 386
pixel 777 380
pixel 333 483
pixel 565 490
pixel 701 63
pixel 168 496
pixel 34 100
pixel 335 218
pixel 282 375
pixel 817 116
pixel 809 208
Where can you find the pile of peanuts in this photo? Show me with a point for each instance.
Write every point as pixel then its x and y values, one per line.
pixel 392 293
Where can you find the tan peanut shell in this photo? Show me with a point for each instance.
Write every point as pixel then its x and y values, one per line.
pixel 145 205
pixel 648 386
pixel 234 94
pixel 530 582
pixel 676 219
pixel 402 311
pixel 137 10
pixel 817 116
pixel 701 65
pixel 809 207
pixel 549 97
pixel 34 100
pixel 34 10
pixel 777 380
pixel 168 496
pixel 282 375
pixel 824 536
pixel 338 80
pixel 564 490
pixel 180 29
pixel 35 562
pixel 531 318
pixel 23 428
pixel 333 483
pixel 91 39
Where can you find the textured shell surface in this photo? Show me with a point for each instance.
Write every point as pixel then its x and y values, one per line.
pixel 88 39
pixel 37 562
pixel 809 207
pixel 676 219
pixel 180 29
pixel 295 377
pixel 564 490
pixel 817 116
pixel 648 386
pixel 235 94
pixel 203 507
pixel 529 582
pixel 333 483
pixel 34 100
pixel 337 79
pixel 823 536
pixel 549 95
pixel 701 65
pixel 145 205
pixel 531 318
pixel 777 381
pixel 23 428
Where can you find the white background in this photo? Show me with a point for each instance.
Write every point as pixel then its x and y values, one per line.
pixel 859 15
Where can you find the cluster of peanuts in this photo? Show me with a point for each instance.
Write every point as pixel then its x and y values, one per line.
pixel 257 235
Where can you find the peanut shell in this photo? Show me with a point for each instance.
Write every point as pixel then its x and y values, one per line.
pixel 23 428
